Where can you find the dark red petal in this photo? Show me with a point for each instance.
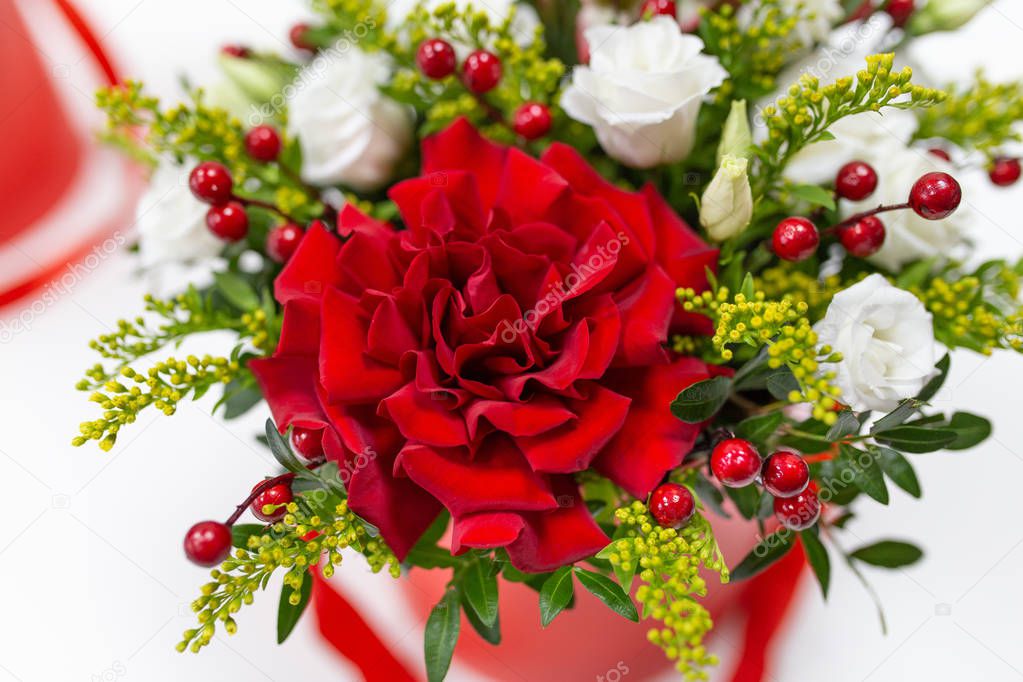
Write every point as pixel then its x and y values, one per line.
pixel 397 506
pixel 538 415
pixel 572 447
pixel 651 441
pixel 525 177
pixel 347 373
pixel 422 418
pixel 461 147
pixel 300 330
pixel 312 269
pixel 289 385
pixel 496 479
pixel 646 306
pixel 485 531
pixel 559 537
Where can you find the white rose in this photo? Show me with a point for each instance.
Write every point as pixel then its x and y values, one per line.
pixel 171 222
pixel 349 132
pixel 886 338
pixel 523 26
pixel 818 17
pixel 642 90
pixel 908 237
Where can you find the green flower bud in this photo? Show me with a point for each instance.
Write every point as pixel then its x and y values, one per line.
pixel 736 140
pixel 944 15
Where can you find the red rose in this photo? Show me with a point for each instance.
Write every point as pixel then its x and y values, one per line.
pixel 511 336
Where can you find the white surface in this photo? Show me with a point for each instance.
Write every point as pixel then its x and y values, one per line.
pixel 94 583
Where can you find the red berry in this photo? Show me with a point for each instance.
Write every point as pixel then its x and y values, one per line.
pixel 208 543
pixel 900 10
pixel 1004 172
pixel 864 237
pixel 735 462
pixel 308 442
pixel 795 239
pixel 211 182
pixel 532 120
pixel 274 495
pixel 239 51
pixel 482 71
pixel 672 505
pixel 436 58
pixel 652 8
pixel 786 474
pixel 229 222
pixel 263 143
pixel 799 512
pixel 282 241
pixel 299 37
pixel 935 196
pixel 856 180
pixel 940 153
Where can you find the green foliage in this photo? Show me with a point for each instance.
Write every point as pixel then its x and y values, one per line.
pixel 194 131
pixel 124 386
pixel 752 53
pixel 981 116
pixel 668 564
pixel 317 527
pixel 803 115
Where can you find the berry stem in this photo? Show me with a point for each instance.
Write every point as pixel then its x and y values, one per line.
pixel 256 492
pixel 267 205
pixel 856 217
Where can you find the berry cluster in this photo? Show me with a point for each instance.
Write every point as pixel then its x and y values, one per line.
pixel 211 183
pixel 481 72
pixel 934 196
pixel 785 475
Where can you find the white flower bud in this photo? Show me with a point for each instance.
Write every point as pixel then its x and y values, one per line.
pixel 726 207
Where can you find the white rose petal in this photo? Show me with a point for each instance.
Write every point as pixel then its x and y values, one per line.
pixel 909 237
pixel 171 222
pixel 642 90
pixel 726 206
pixel 349 132
pixel 886 338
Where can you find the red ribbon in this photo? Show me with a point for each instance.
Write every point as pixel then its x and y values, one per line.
pixel 768 599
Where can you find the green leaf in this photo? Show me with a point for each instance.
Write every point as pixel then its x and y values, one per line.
pixel 847 425
pixel 490 633
pixel 555 594
pixel 899 470
pixel 867 474
pixel 288 615
pixel 970 430
pixel 767 551
pixel 708 494
pixel 781 383
pixel 431 557
pixel 816 195
pixel 281 451
pixel 746 499
pixel 932 387
pixel 241 532
pixel 759 428
pixel 441 636
pixel 479 585
pixel 889 554
pixel 897 417
pixel 827 135
pixel 702 400
pixel 609 592
pixel 916 439
pixel 236 290
pixel 817 555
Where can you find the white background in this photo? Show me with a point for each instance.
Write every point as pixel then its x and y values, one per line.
pixel 93 585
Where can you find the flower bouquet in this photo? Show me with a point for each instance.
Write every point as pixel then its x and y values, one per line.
pixel 538 293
